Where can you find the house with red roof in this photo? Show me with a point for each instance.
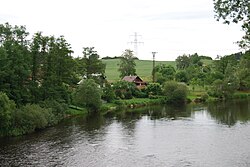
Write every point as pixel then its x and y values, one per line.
pixel 136 80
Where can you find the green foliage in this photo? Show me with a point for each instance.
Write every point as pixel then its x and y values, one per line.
pixel 236 11
pixel 175 92
pixel 154 89
pixel 222 89
pixel 243 72
pixel 224 62
pixel 127 90
pixel 34 70
pixel 31 117
pixel 191 68
pixel 57 108
pixel 88 94
pixel 28 118
pixel 108 93
pixel 93 64
pixel 182 62
pixel 75 110
pixel 7 108
pixel 136 102
pixel 127 64
pixel 164 73
pixel 181 76
pixel 14 63
pixel 124 89
pixel 90 66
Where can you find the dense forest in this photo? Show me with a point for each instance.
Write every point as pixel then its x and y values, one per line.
pixel 40 79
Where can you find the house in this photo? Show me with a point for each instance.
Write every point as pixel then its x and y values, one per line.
pixel 137 80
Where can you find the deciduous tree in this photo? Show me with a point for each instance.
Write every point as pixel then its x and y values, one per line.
pixel 236 11
pixel 127 64
pixel 88 94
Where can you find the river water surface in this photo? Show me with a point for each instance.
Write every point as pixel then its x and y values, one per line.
pixel 214 135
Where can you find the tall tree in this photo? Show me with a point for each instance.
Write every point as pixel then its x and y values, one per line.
pixel 236 11
pixel 91 66
pixel 57 69
pixel 15 62
pixel 127 64
pixel 93 63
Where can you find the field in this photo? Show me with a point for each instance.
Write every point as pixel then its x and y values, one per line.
pixel 143 68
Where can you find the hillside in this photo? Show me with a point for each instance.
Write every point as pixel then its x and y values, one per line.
pixel 143 68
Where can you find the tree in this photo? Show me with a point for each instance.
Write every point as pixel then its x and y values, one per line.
pixel 175 92
pixel 222 89
pixel 88 95
pixel 57 68
pixel 243 72
pixel 93 64
pixel 235 11
pixel 127 64
pixel 164 73
pixel 182 62
pixel 15 63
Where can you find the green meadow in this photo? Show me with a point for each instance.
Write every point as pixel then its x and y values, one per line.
pixel 143 68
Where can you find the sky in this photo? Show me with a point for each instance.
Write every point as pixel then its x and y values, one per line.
pixel 169 27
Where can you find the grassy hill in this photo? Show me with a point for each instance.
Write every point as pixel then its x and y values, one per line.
pixel 143 68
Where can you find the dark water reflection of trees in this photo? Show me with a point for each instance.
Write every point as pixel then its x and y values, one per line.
pixel 230 112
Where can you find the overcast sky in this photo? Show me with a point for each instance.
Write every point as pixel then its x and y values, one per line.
pixel 169 27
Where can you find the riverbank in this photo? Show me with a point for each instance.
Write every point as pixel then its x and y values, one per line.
pixel 41 118
pixel 197 97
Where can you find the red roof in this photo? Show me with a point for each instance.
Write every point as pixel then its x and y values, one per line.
pixel 132 79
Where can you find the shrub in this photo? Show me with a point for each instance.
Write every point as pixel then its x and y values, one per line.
pixel 124 89
pixel 7 108
pixel 175 92
pixel 58 110
pixel 154 89
pixel 31 117
pixel 108 93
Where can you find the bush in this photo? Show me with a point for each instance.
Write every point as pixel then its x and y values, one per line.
pixel 175 92
pixel 124 90
pixel 154 89
pixel 108 93
pixel 30 118
pixel 7 108
pixel 58 110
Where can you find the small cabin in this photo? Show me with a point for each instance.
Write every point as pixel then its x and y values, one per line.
pixel 137 80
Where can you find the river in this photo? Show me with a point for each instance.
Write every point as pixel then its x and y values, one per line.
pixel 214 135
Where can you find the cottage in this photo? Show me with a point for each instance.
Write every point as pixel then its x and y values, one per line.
pixel 137 80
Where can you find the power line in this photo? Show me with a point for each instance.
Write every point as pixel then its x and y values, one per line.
pixel 136 43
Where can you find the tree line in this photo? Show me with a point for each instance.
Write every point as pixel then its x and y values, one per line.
pixel 39 78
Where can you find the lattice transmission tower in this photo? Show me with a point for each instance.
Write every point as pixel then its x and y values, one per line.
pixel 136 42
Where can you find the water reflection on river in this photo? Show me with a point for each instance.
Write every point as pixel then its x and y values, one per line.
pixel 192 135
